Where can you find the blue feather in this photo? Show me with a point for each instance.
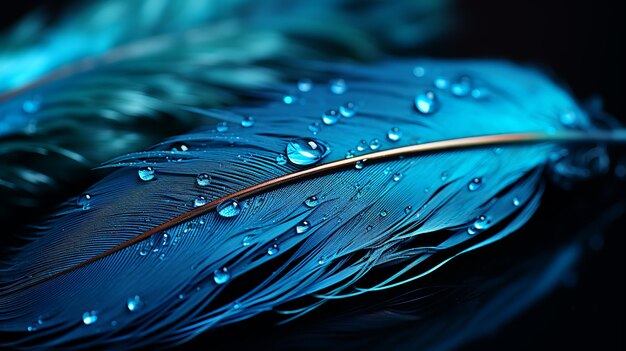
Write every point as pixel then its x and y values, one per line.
pixel 414 213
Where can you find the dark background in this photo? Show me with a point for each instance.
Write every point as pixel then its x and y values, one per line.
pixel 582 43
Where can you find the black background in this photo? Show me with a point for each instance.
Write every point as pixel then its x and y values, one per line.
pixel 582 43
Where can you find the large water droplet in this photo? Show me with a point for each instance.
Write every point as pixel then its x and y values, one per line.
pixel 427 102
pixel 199 201
pixel 203 179
pixel 475 184
pixel 281 159
pixel 330 117
pixel 305 85
pixel 303 227
pixel 146 173
pixel 338 86
pixel 462 86
pixel 348 109
pixel 394 134
pixel 90 317
pixel 306 151
pixel 311 201
pixel 221 275
pixel 229 208
pixel 222 127
pixel 441 83
pixel 362 145
pixel 134 303
pixel 375 144
pixel 84 201
pixel 273 250
pixel 248 122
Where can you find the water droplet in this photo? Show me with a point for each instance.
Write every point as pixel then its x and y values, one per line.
pixel 480 93
pixel 408 209
pixel 281 159
pixel 462 86
pixel 314 127
pixel 305 85
pixel 90 317
pixel 146 173
pixel 289 99
pixel 311 201
pixel 32 105
pixel 383 213
pixel 321 260
pixel 482 223
pixel 199 201
pixel 369 227
pixel 360 164
pixel 516 201
pixel 221 275
pixel 330 117
pixel 475 184
pixel 179 147
pixel 444 176
pixel 248 121
pixel 272 250
pixel 228 208
pixel 568 118
pixel 338 86
pixel 84 201
pixel 375 144
pixel 306 151
pixel 350 153
pixel 203 179
pixel 181 296
pixel 134 303
pixel 498 150
pixel 222 127
pixel 394 134
pixel 419 71
pixel 348 109
pixel 397 177
pixel 303 227
pixel 248 239
pixel 427 102
pixel 471 230
pixel 441 83
pixel 362 145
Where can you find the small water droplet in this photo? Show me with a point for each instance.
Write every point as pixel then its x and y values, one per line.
pixel 84 201
pixel 360 164
pixel 176 147
pixel 305 85
pixel 516 201
pixel 568 118
pixel 146 173
pixel 289 99
pixel 375 144
pixel 383 213
pixel 90 317
pixel 362 145
pixel 394 134
pixel 482 223
pixel 441 83
pixel 248 121
pixel 314 127
pixel 462 86
pixel 272 250
pixel 221 275
pixel 248 239
pixel 338 86
pixel 306 151
pixel 32 105
pixel 480 93
pixel 303 227
pixel 222 127
pixel 369 227
pixel 350 153
pixel 281 159
pixel 498 150
pixel 311 201
pixel 471 230
pixel 419 71
pixel 330 117
pixel 321 260
pixel 397 177
pixel 203 179
pixel 444 176
pixel 475 184
pixel 348 109
pixel 134 303
pixel 228 208
pixel 181 296
pixel 408 209
pixel 427 102
pixel 199 201
pixel 162 257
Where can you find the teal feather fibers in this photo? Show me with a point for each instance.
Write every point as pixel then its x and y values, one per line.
pixel 106 79
pixel 412 214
